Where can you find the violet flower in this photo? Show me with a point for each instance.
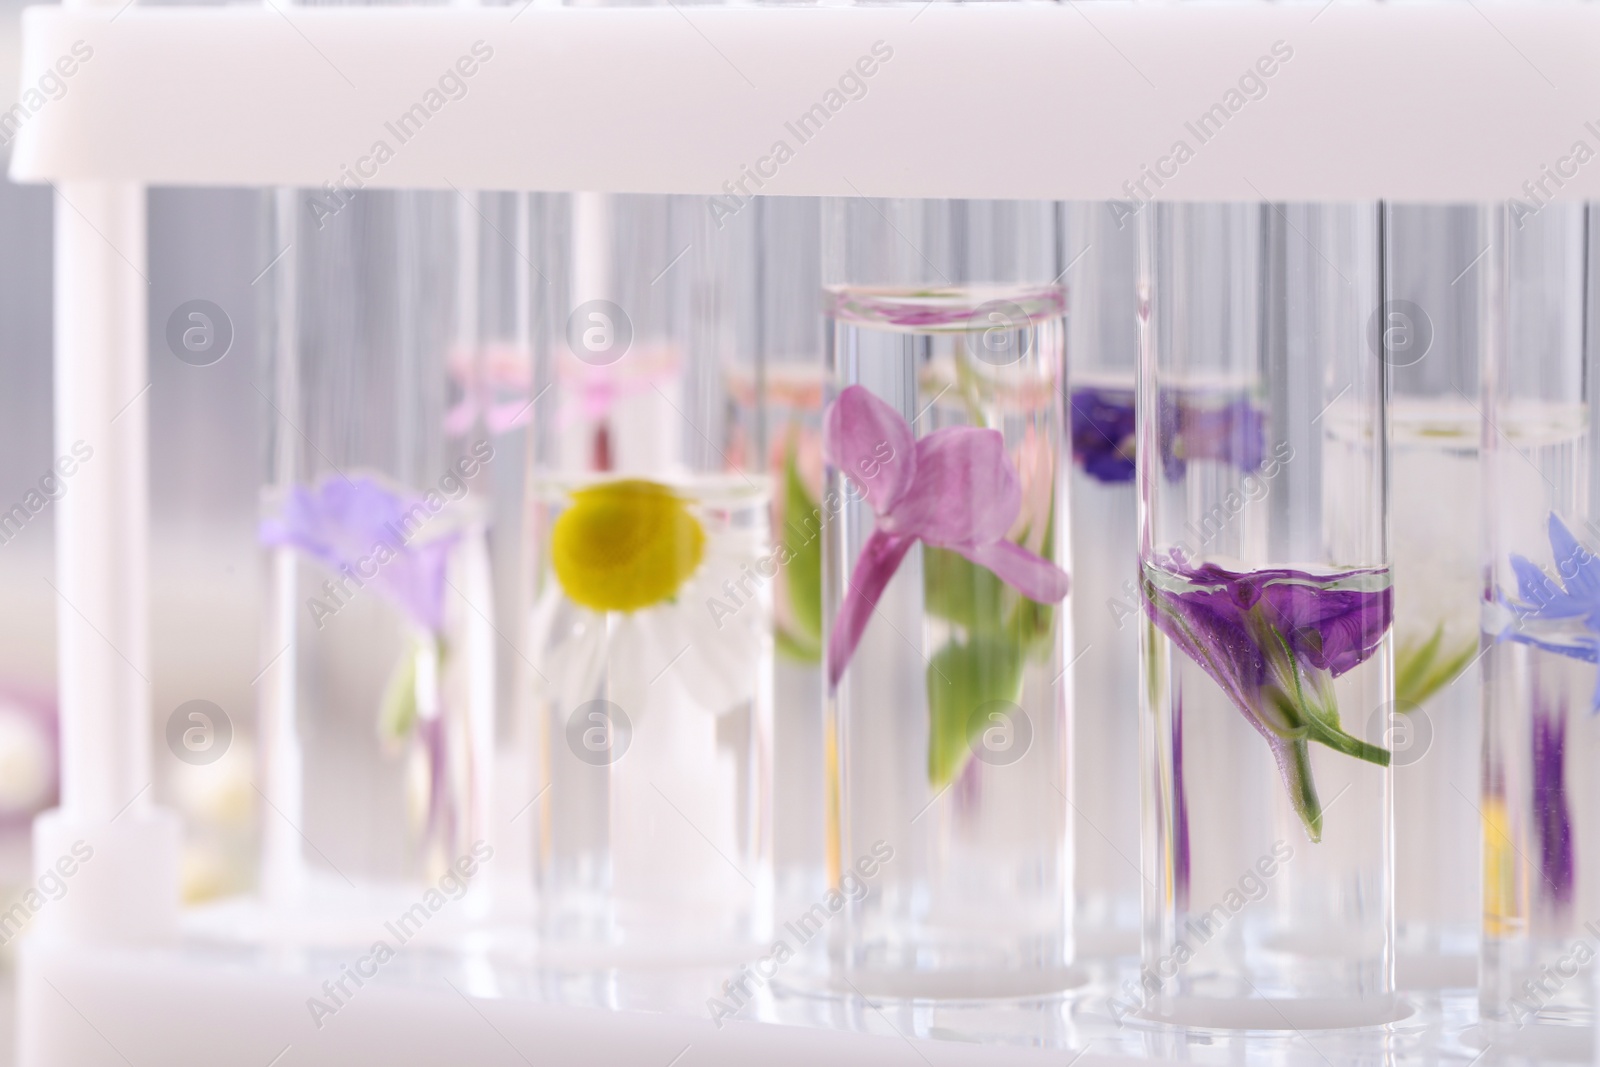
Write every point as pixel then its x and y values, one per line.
pixel 1574 595
pixel 1551 815
pixel 1193 428
pixel 1274 640
pixel 955 488
pixel 1103 439
pixel 361 530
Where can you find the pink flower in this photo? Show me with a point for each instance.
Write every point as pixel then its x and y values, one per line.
pixel 1036 470
pixel 954 489
pixel 494 384
pixel 591 391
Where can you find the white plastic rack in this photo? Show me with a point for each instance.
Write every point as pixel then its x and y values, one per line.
pixel 1474 101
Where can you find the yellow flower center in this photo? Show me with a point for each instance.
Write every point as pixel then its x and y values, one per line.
pixel 625 545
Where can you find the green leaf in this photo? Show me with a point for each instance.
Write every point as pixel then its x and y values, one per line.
pixel 397 715
pixel 1032 624
pixel 1412 664
pixel 963 677
pixel 1420 672
pixel 802 543
pixel 792 646
pixel 1001 629
pixel 957 590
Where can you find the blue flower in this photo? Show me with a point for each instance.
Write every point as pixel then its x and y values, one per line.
pixel 1573 595
pixel 362 530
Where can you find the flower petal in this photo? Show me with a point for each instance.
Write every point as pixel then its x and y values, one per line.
pixel 508 415
pixel 965 493
pixel 880 558
pixel 1541 597
pixel 1033 576
pixel 1103 433
pixel 1332 629
pixel 359 527
pixel 874 447
pixel 1575 564
pixel 415 580
pixel 1584 647
pixel 1208 627
pixel 288 529
pixel 1207 425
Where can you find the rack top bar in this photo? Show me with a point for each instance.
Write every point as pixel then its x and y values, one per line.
pixel 1434 101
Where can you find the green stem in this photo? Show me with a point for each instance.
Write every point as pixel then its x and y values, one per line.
pixel 1304 795
pixel 1323 723
pixel 1339 741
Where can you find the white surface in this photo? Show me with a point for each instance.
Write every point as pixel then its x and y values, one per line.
pixel 206 1003
pixel 107 1009
pixel 1426 101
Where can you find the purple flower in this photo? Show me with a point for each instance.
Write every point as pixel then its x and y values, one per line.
pixel 358 528
pixel 1274 640
pixel 954 489
pixel 1552 819
pixel 1193 427
pixel 1103 433
pixel 1574 595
